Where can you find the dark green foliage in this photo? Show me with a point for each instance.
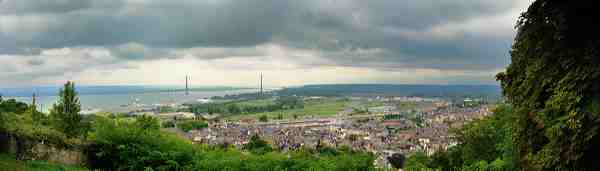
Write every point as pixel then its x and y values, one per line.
pixel 191 125
pixel 337 90
pixel 13 106
pixel 166 109
pixel 263 118
pixel 393 117
pixel 147 122
pixel 397 160
pixel 116 143
pixel 168 124
pixel 8 109
pixel 553 83
pixel 137 145
pixel 257 145
pixel 28 128
pixel 126 145
pixel 289 102
pixel 237 107
pixel 65 112
pixel 8 163
pixel 230 159
pixel 326 150
pixel 234 109
pixel 418 161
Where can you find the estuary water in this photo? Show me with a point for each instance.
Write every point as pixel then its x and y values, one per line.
pixel 120 98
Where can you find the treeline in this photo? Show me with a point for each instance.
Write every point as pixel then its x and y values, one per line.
pixel 113 142
pixel 185 125
pixel 237 107
pixel 335 90
pixel 246 96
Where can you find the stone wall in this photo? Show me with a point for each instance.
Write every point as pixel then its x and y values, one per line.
pixel 57 155
pixel 42 151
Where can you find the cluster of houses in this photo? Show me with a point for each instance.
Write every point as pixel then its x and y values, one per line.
pixel 383 136
pixel 374 134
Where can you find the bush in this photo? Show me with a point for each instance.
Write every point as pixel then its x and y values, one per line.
pixel 257 145
pixel 191 125
pixel 263 118
pixel 126 145
pixel 168 124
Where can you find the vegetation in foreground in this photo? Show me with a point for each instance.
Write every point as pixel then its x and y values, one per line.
pixel 9 163
pixel 114 143
pixel 551 124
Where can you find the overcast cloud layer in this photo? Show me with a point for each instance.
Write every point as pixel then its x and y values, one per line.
pixel 229 41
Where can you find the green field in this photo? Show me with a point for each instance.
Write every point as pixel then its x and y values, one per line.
pixel 8 163
pixel 324 107
pixel 261 102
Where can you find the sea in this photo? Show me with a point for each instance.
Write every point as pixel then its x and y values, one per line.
pixel 120 98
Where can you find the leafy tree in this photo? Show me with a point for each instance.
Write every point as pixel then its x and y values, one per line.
pixel 13 106
pixel 552 82
pixel 66 111
pixel 417 161
pixel 257 145
pixel 234 109
pixel 191 125
pixel 168 124
pixel 263 118
pixel 289 102
pixel 36 116
pixel 397 160
pixel 147 122
pixel 136 145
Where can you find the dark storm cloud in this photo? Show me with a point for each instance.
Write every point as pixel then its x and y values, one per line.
pixel 159 24
pixel 41 6
pixel 374 33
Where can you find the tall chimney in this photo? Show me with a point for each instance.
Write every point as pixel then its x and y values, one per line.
pixel 33 103
pixel 261 84
pixel 187 90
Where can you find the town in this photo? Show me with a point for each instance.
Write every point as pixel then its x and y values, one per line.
pixel 380 125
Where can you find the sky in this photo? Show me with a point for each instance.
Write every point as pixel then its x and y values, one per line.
pixel 229 42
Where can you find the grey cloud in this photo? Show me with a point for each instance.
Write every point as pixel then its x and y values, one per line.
pixel 136 51
pixel 345 32
pixel 184 24
pixel 41 6
pixel 59 62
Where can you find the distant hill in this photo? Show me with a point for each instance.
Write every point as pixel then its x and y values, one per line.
pixel 492 91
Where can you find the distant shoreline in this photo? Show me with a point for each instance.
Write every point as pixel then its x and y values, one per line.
pixel 108 90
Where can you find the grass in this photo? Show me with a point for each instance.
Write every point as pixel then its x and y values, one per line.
pixel 323 107
pixel 8 162
pixel 261 102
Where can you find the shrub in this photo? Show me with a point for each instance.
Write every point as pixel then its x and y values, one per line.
pixel 191 125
